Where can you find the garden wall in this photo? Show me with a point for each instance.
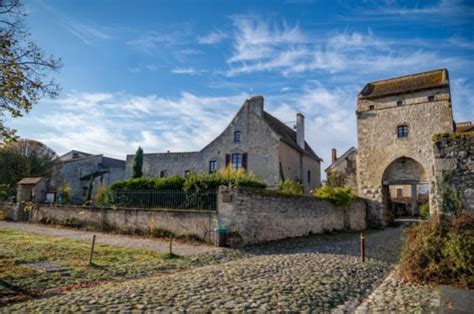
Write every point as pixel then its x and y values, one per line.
pixel 124 220
pixel 454 161
pixel 253 216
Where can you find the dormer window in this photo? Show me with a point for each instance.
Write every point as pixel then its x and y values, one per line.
pixel 402 131
pixel 431 98
pixel 399 103
pixel 237 137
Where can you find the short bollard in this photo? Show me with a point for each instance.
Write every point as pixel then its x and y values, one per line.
pixel 362 247
pixel 92 249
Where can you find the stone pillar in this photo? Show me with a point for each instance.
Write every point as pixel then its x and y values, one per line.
pixel 414 200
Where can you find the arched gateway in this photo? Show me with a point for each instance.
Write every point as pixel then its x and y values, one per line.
pixel 405 185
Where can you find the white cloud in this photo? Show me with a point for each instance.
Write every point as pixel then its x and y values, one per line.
pixel 189 71
pixel 212 38
pixel 259 47
pixel 115 124
pixel 88 33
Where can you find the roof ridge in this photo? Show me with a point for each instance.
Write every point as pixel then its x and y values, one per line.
pixel 408 76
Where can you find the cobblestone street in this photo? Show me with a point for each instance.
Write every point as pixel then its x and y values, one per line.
pixel 313 273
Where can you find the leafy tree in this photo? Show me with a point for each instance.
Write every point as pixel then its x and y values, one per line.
pixel 137 164
pixel 23 158
pixel 24 70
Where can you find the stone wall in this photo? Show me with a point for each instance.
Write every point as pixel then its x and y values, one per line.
pixel 254 216
pixel 454 157
pixel 142 221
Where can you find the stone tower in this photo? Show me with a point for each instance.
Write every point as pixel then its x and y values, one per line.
pixel 396 120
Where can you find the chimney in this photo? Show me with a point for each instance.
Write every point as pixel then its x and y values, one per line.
pixel 300 130
pixel 334 155
pixel 255 105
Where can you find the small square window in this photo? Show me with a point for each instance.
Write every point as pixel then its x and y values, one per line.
pixel 163 173
pixel 212 166
pixel 371 107
pixel 237 136
pixel 399 103
pixel 431 98
pixel 402 131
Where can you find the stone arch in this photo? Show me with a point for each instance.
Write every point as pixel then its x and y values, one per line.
pixel 403 172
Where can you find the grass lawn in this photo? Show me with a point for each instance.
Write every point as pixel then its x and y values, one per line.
pixel 18 279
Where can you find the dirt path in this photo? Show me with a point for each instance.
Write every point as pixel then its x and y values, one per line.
pixel 150 244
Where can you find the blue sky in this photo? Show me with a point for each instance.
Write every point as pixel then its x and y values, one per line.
pixel 169 75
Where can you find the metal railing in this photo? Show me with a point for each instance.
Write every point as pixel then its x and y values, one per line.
pixel 171 199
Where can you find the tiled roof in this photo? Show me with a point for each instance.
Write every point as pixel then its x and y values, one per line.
pixel 287 134
pixel 341 158
pixel 464 127
pixel 30 180
pixel 403 84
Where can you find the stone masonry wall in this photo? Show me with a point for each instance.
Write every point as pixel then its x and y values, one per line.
pixel 379 146
pixel 257 217
pixel 179 222
pixel 454 155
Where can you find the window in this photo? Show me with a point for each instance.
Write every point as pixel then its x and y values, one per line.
pixel 212 166
pixel 237 137
pixel 402 131
pixel 163 173
pixel 399 192
pixel 236 161
pixel 309 176
pixel 431 98
pixel 371 107
pixel 399 103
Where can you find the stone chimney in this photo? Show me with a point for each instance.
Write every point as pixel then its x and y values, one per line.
pixel 334 155
pixel 300 130
pixel 255 105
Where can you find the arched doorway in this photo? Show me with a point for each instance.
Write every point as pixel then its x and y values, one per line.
pixel 405 186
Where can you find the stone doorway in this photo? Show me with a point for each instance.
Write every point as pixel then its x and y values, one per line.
pixel 405 187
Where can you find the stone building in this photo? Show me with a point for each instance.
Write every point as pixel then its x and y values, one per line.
pixel 78 169
pixel 396 121
pixel 254 140
pixel 343 168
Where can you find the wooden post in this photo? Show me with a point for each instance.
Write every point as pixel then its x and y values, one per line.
pixel 362 247
pixel 171 245
pixel 92 249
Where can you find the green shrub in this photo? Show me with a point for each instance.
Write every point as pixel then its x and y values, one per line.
pixel 145 184
pixel 210 182
pixel 339 196
pixel 101 196
pixel 425 210
pixel 290 187
pixel 440 251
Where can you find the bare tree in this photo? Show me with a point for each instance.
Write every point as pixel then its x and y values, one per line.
pixel 24 68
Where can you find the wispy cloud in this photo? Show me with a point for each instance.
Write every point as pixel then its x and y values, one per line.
pixel 212 38
pixel 189 71
pixel 260 46
pixel 88 33
pixel 116 123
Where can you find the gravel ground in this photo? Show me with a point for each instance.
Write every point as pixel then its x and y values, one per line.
pixel 150 244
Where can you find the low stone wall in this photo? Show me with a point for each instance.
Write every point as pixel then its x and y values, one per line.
pixel 141 221
pixel 454 160
pixel 256 217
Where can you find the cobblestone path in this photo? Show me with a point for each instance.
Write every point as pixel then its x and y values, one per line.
pixel 321 273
